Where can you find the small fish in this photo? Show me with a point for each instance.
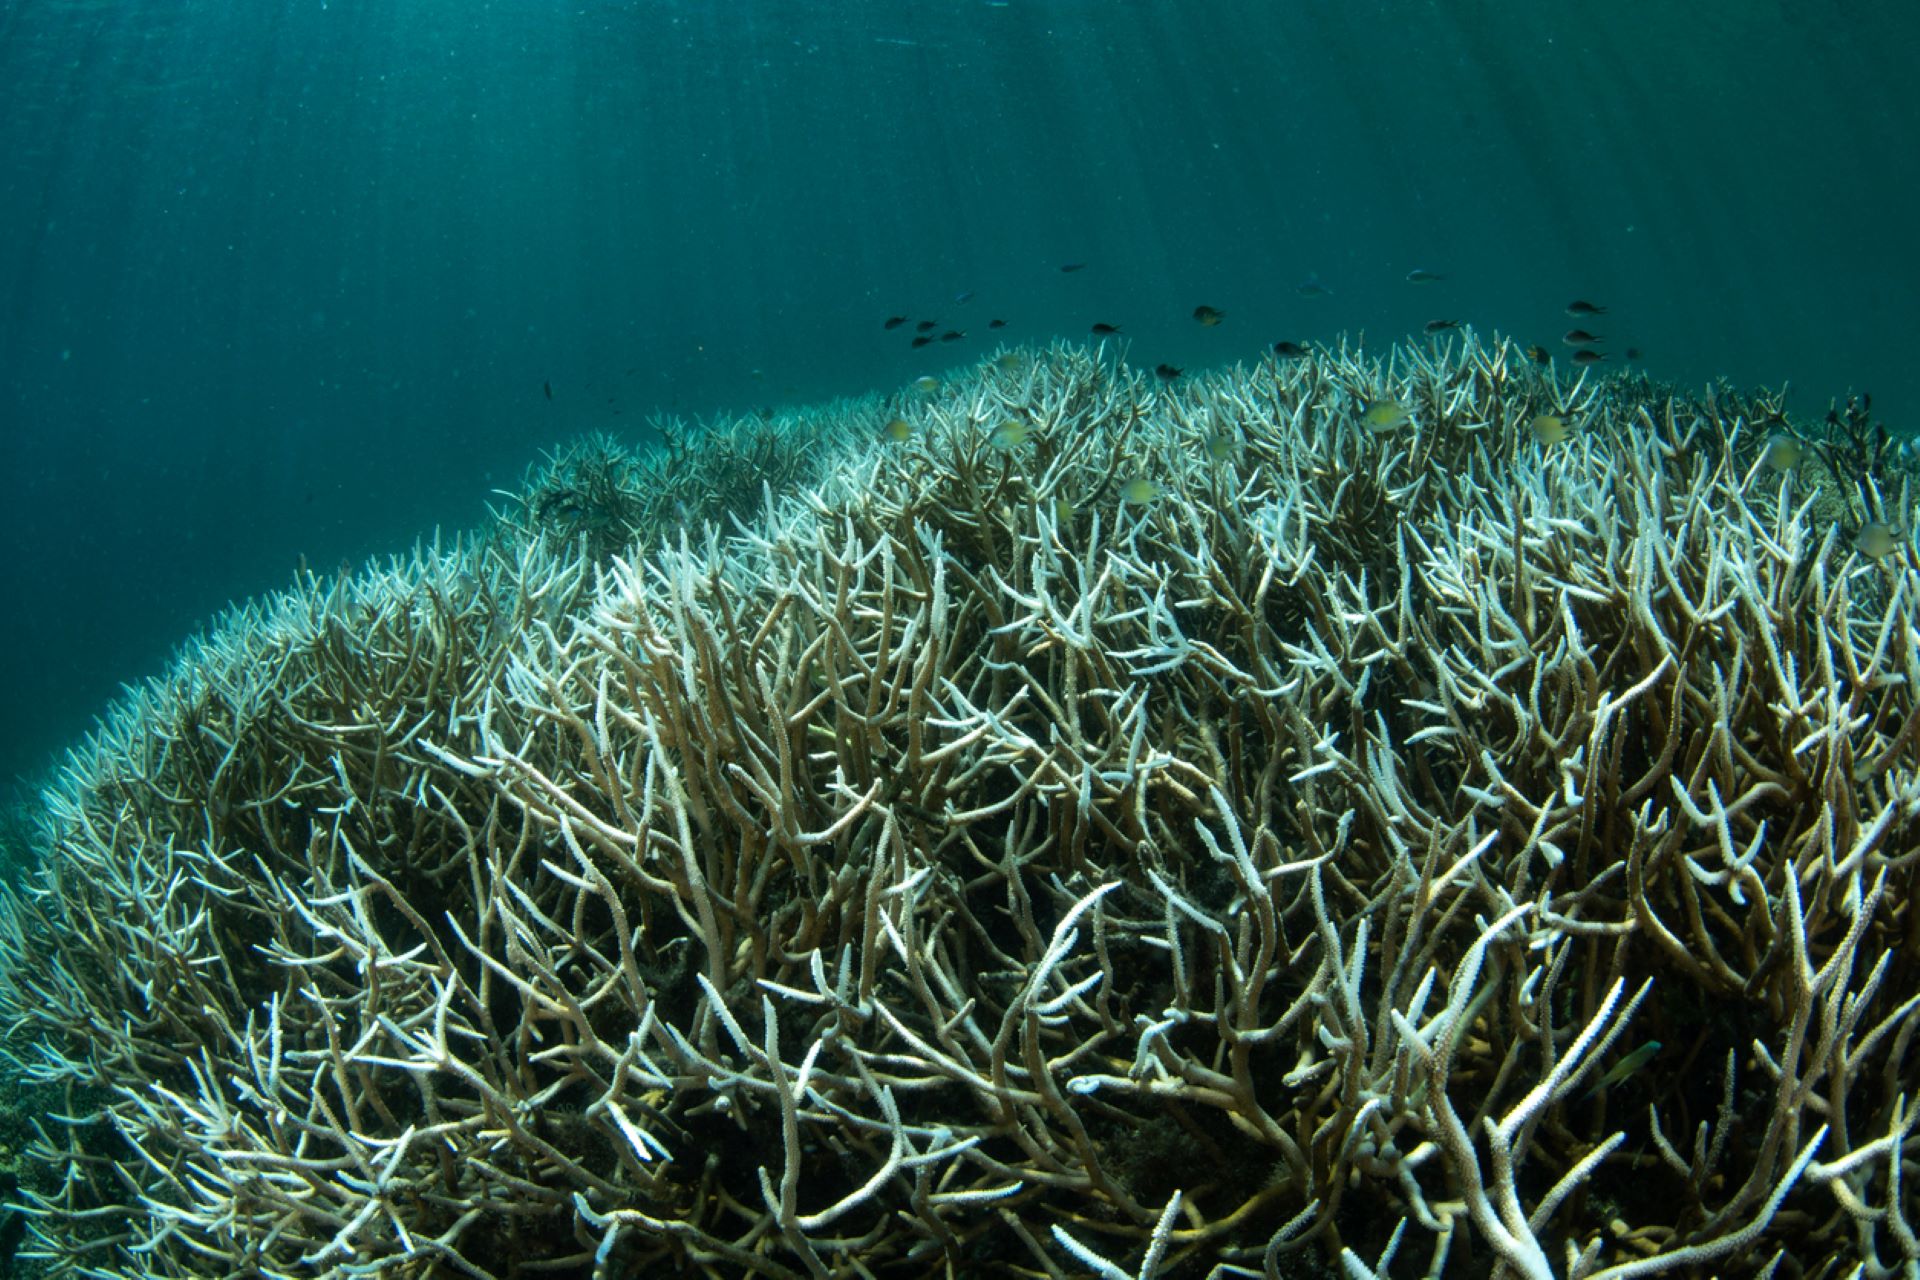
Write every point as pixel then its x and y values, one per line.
pixel 1578 308
pixel 1009 360
pixel 1420 275
pixel 1580 338
pixel 1139 491
pixel 1633 353
pixel 953 335
pixel 1625 1067
pixel 1549 428
pixel 1384 415
pixel 1312 288
pixel 1586 356
pixel 1209 316
pixel 1441 326
pixel 1069 268
pixel 1219 446
pixel 927 326
pixel 894 322
pixel 1167 372
pixel 548 388
pixel 922 340
pixel 996 324
pixel 899 430
pixel 1105 330
pixel 1539 354
pixel 926 383
pixel 1288 350
pixel 1876 541
pixel 965 295
pixel 1783 451
pixel 1062 509
pixel 1009 435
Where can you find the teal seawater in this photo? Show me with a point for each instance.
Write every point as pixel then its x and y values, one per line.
pixel 287 280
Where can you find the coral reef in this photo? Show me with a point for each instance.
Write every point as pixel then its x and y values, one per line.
pixel 598 497
pixel 1425 849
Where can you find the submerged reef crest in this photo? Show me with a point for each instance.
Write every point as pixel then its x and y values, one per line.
pixel 1215 822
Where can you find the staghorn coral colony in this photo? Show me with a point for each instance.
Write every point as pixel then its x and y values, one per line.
pixel 1195 834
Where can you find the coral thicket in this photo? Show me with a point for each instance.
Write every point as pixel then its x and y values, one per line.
pixel 1194 830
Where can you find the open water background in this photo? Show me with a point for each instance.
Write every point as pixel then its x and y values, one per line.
pixel 285 278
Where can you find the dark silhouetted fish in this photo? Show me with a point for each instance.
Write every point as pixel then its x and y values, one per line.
pixel 996 324
pixel 922 340
pixel 894 322
pixel 953 335
pixel 547 387
pixel 1539 354
pixel 927 325
pixel 1209 316
pixel 1586 355
pixel 1167 372
pixel 1441 326
pixel 1580 337
pixel 1105 330
pixel 1071 267
pixel 1579 309
pixel 1288 350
